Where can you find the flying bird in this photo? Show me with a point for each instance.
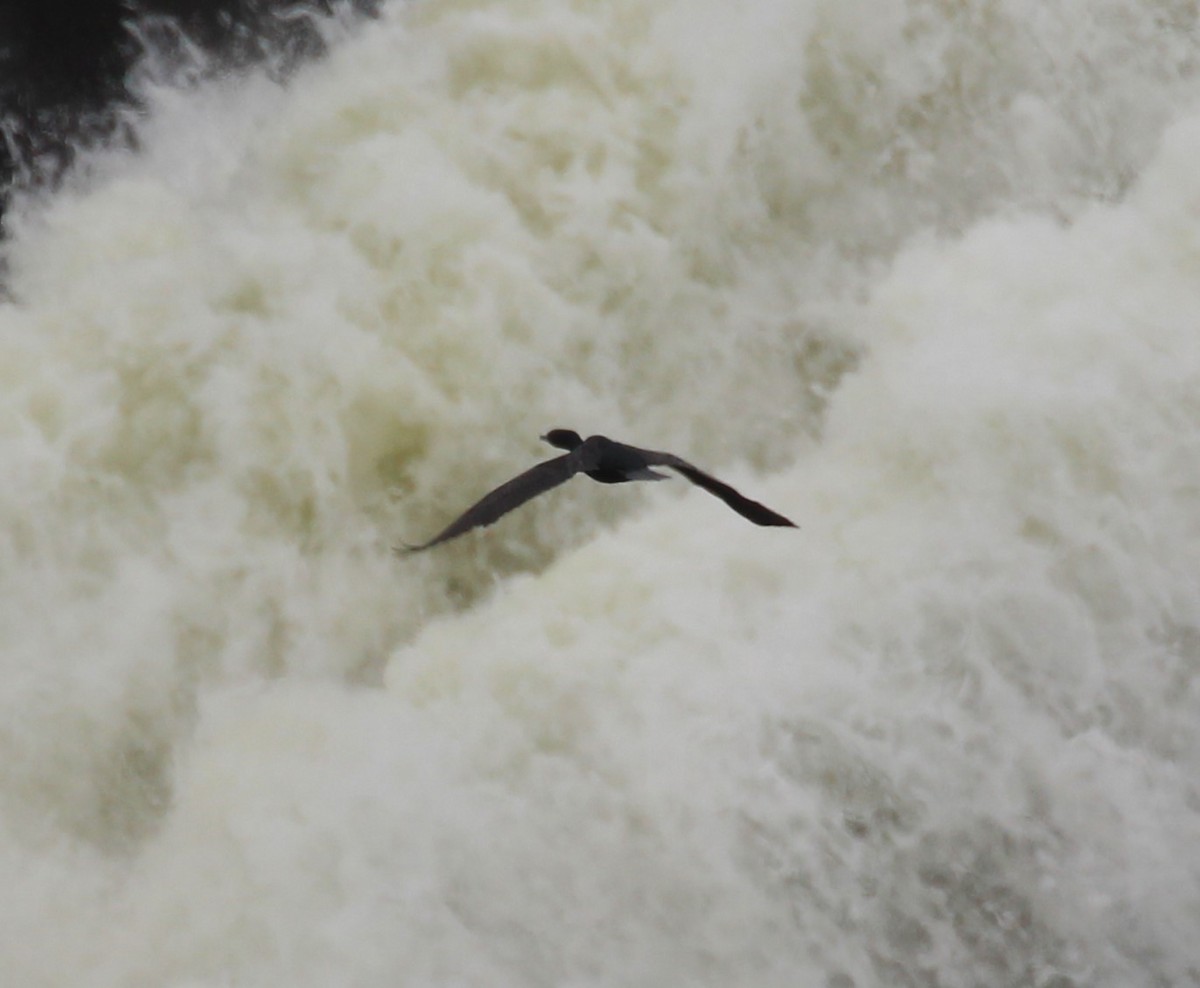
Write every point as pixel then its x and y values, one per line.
pixel 603 460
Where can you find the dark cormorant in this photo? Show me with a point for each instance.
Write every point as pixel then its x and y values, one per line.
pixel 603 460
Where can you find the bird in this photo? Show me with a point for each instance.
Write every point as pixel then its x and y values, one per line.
pixel 605 461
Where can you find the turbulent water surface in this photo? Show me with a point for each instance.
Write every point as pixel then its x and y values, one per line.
pixel 924 276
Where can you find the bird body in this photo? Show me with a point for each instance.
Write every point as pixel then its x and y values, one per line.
pixel 605 461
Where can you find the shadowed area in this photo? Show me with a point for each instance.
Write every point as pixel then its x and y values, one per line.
pixel 65 64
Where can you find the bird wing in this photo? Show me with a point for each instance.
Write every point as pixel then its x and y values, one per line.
pixel 509 495
pixel 760 514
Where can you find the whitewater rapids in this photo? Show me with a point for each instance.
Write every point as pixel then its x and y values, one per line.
pixel 923 276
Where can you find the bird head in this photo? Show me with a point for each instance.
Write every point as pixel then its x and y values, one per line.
pixel 563 438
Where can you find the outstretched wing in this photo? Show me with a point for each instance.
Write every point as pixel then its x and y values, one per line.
pixel 760 514
pixel 512 494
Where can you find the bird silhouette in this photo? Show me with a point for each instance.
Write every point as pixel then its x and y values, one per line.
pixel 605 461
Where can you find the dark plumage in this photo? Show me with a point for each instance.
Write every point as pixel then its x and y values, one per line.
pixel 605 461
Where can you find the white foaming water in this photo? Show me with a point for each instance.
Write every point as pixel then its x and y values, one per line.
pixel 924 277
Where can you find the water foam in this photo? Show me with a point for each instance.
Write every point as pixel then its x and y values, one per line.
pixel 944 732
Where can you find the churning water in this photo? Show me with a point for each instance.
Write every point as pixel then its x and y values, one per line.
pixel 923 276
